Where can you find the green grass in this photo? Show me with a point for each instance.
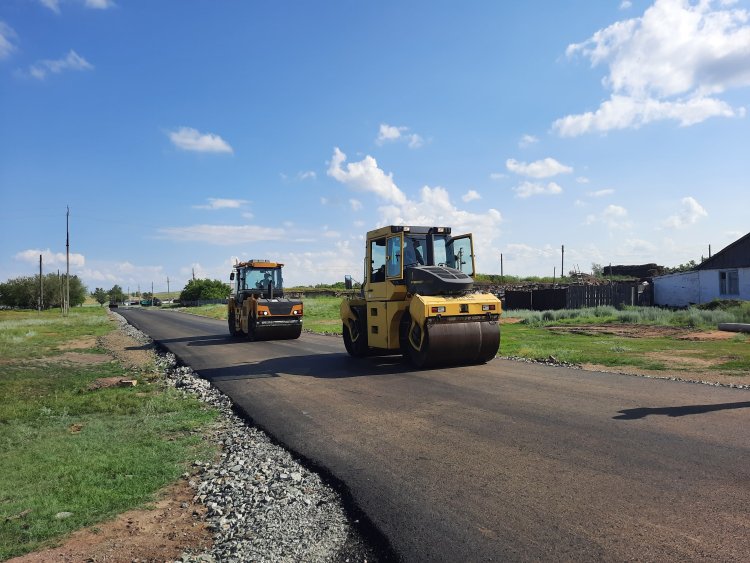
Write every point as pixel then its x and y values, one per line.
pixel 321 313
pixel 693 317
pixel 64 448
pixel 536 342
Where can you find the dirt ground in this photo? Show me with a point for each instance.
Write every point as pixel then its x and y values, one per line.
pixel 162 532
pixel 645 331
pixel 174 525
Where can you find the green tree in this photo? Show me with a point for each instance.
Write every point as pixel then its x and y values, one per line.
pixel 198 289
pixel 100 295
pixel 116 294
pixel 23 292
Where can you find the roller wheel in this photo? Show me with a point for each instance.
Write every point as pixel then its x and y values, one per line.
pixel 250 328
pixel 231 320
pixel 420 358
pixel 355 339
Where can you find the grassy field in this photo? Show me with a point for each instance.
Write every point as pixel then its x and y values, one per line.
pixel 66 448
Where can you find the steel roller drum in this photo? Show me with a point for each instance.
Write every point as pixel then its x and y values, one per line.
pixel 277 331
pixel 458 343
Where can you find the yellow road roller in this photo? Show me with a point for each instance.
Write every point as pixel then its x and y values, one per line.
pixel 257 307
pixel 418 299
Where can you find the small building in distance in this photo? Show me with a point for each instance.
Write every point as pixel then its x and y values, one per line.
pixel 726 275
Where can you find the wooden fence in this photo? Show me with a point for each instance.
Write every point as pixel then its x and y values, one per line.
pixel 579 296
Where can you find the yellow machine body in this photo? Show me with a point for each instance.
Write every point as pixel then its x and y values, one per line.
pixel 424 306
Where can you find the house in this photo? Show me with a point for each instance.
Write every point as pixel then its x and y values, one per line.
pixel 726 275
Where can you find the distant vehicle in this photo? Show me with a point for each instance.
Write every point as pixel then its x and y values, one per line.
pixel 157 302
pixel 113 305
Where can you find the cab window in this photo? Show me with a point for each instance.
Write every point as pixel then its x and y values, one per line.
pixel 459 255
pixel 377 260
pixel 393 257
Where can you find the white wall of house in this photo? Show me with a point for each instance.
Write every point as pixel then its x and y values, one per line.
pixel 702 286
pixel 677 290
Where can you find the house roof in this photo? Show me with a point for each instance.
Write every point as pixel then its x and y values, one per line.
pixel 736 255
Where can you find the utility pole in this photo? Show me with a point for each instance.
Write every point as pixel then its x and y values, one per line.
pixel 152 293
pixel 67 262
pixel 59 284
pixel 562 262
pixel 168 294
pixel 193 274
pixel 502 276
pixel 709 251
pixel 41 285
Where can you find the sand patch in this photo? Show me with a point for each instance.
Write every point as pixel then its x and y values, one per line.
pixel 131 353
pixel 80 344
pixel 625 330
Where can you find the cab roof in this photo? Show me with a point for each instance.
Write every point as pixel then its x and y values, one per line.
pixel 415 230
pixel 256 263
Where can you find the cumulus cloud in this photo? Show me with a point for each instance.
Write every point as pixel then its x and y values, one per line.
pixel 72 61
pixel 222 234
pixel 625 4
pixel 389 133
pixel 471 195
pixel 222 203
pixel 49 258
pixel 613 216
pixel 8 39
pixel 307 175
pixel 582 180
pixel 528 189
pixel 527 141
pixel 544 168
pixel 355 204
pixel 432 207
pixel 497 176
pixel 365 176
pixel 670 63
pixel 690 212
pixel 189 139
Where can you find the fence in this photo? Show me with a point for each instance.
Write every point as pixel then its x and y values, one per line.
pixel 579 296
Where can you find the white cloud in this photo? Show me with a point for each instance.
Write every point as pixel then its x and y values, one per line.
pixel 601 193
pixel 53 5
pixel 99 4
pixel 669 63
pixel 189 139
pixel 72 61
pixel 625 4
pixel 471 195
pixel 365 176
pixel 433 207
pixel 544 168
pixel 637 247
pixel 222 203
pixel 527 141
pixel 8 38
pixel 355 204
pixel 497 176
pixel 388 133
pixel 49 258
pixel 613 216
pixel 689 214
pixel 528 189
pixel 222 234
pixel 582 180
pixel 307 175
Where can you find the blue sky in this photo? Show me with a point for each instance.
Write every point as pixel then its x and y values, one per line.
pixel 185 135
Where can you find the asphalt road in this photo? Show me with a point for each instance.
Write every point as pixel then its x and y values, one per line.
pixel 503 462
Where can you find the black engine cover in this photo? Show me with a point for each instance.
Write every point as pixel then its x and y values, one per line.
pixel 437 280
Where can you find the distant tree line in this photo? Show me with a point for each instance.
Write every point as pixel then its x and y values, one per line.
pixel 23 292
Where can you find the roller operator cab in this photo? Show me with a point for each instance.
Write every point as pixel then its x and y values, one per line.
pixel 257 307
pixel 418 299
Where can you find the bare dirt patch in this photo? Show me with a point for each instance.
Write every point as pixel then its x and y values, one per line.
pixel 79 344
pixel 685 360
pixel 708 335
pixel 78 358
pixel 174 525
pixel 131 353
pixel 510 320
pixel 627 330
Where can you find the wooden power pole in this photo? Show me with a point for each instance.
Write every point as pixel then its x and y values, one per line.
pixel 41 285
pixel 66 308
